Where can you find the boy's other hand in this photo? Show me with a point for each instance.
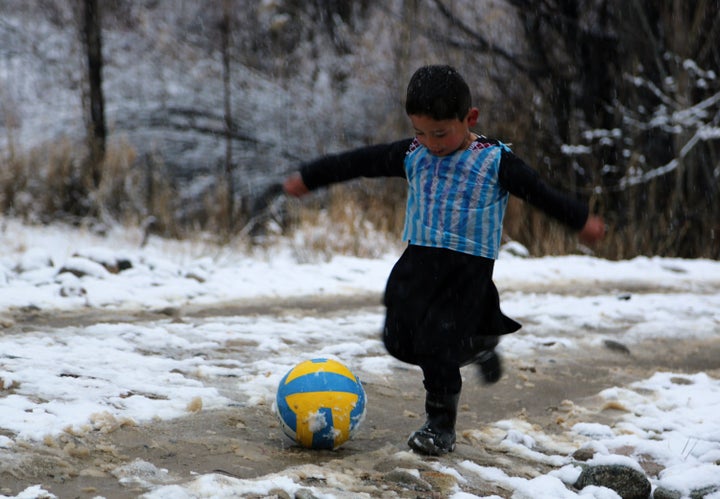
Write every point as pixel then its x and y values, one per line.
pixel 294 185
pixel 593 231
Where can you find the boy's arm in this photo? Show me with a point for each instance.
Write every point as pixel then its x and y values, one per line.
pixel 524 182
pixel 383 160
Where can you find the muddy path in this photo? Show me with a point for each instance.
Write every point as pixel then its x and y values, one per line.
pixel 246 441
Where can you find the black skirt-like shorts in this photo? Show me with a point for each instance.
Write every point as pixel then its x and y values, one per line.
pixel 442 304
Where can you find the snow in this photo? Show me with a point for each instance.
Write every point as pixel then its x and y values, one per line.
pixel 80 378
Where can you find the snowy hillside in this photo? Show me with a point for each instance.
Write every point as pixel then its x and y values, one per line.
pixel 164 90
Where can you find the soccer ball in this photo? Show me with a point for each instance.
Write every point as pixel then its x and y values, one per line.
pixel 320 404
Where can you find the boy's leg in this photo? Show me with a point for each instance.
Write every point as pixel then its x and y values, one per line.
pixel 488 361
pixel 490 366
pixel 442 393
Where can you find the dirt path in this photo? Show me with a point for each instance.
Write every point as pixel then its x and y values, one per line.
pixel 247 442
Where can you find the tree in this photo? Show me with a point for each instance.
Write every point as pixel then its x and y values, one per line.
pixel 226 32
pixel 626 110
pixel 670 101
pixel 91 36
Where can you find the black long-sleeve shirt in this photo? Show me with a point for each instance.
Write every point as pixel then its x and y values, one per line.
pixel 387 160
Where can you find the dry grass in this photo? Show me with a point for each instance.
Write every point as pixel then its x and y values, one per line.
pixel 46 184
pixel 362 218
pixel 366 219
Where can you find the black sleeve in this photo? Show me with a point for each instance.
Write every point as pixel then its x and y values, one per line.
pixel 383 160
pixel 524 182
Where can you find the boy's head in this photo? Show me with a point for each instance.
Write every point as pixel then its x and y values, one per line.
pixel 438 104
pixel 438 92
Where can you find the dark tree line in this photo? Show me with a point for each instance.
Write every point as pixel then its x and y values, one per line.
pixel 629 111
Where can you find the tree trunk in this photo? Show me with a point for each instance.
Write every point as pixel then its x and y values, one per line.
pixel 97 131
pixel 225 29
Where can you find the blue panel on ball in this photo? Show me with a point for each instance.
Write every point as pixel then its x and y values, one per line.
pixel 286 413
pixel 325 438
pixel 320 382
pixel 359 409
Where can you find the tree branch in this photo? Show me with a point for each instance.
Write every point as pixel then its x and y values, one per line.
pixel 482 44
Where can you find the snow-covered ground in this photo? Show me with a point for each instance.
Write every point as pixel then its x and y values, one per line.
pixel 80 378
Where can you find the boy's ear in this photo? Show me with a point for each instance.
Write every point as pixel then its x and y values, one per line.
pixel 472 116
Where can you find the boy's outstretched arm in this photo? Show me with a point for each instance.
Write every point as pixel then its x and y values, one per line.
pixel 381 160
pixel 522 181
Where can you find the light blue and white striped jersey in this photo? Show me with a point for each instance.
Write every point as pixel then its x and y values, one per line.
pixel 456 201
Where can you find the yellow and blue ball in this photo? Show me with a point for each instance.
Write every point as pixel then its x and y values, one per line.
pixel 320 404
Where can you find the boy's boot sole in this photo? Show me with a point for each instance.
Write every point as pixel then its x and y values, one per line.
pixel 425 441
pixel 437 435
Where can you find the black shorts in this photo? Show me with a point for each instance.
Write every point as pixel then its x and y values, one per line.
pixel 442 304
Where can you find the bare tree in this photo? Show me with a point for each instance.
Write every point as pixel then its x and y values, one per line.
pixel 625 101
pixel 91 35
pixel 226 32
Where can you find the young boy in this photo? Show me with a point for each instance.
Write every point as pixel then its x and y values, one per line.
pixel 442 307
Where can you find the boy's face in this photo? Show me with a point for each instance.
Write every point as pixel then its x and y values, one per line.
pixel 444 137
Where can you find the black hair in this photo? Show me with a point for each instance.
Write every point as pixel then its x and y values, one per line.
pixel 438 92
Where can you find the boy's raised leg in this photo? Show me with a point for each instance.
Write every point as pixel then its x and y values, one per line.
pixel 490 366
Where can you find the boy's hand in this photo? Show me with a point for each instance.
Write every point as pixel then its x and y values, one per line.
pixel 294 185
pixel 593 231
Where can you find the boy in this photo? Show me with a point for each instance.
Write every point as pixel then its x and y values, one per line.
pixel 442 307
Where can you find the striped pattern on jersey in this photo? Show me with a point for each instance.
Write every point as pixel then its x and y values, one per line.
pixel 456 202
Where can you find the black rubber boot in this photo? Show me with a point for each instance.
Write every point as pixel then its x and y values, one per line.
pixel 490 366
pixel 437 435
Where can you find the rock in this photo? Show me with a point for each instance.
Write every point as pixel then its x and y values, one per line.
pixel 663 493
pixel 279 493
pixel 82 267
pixel 442 483
pixel 616 346
pixel 628 482
pixel 704 492
pixel 404 477
pixel 105 257
pixel 583 454
pixel 398 462
pixel 72 291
